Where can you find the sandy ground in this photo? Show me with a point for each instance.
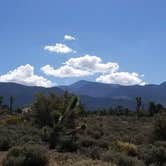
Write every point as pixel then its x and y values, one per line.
pixel 68 159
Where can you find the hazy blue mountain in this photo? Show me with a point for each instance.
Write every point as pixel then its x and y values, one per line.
pixel 23 95
pixel 93 95
pixel 92 103
pixel 106 95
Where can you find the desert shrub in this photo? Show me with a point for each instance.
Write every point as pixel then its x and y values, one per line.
pixel 94 152
pixel 13 120
pixel 87 142
pixel 103 144
pixel 67 144
pixel 123 160
pixel 14 135
pixel 138 138
pixel 45 133
pixel 160 144
pixel 5 142
pixel 160 127
pixel 96 133
pixel 30 139
pixel 26 156
pixel 120 159
pixel 153 155
pixel 125 147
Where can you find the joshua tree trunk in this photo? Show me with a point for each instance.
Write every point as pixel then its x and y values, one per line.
pixel 138 108
pixel 11 104
pixel 1 100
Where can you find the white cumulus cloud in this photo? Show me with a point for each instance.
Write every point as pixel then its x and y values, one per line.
pixel 89 65
pixel 122 78
pixel 25 75
pixel 64 71
pixel 92 64
pixel 59 48
pixel 69 37
pixel 80 67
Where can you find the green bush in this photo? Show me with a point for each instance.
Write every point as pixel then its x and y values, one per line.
pixel 29 139
pixel 26 156
pixel 103 144
pixel 13 120
pixel 160 127
pixel 160 144
pixel 96 133
pixel 94 152
pixel 153 155
pixel 87 142
pixel 67 144
pixel 5 142
pixel 14 135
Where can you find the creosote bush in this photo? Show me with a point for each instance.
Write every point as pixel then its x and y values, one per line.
pixel 67 144
pixel 153 155
pixel 160 127
pixel 13 135
pixel 5 142
pixel 26 156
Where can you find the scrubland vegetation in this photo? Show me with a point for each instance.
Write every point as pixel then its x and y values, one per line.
pixel 55 130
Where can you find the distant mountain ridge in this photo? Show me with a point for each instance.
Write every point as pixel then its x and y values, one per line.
pixel 108 95
pixel 23 95
pixel 93 94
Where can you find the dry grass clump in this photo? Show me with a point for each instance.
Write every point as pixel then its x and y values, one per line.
pixel 127 148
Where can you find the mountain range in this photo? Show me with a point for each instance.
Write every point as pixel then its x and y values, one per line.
pixel 93 94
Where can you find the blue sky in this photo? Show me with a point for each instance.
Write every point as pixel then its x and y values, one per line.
pixel 126 39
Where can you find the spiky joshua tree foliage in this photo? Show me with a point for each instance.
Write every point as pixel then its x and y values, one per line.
pixel 60 113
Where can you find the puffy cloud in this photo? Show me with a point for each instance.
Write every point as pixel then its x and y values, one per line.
pixel 92 64
pixel 69 37
pixel 25 75
pixel 59 48
pixel 64 71
pixel 122 78
pixel 80 67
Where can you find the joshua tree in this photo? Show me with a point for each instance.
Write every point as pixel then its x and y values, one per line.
pixel 1 100
pixel 67 123
pixel 152 108
pixel 68 118
pixel 159 107
pixel 60 114
pixel 11 103
pixel 138 107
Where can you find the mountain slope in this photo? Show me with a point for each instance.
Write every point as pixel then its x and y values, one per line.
pixel 23 95
pixel 101 95
pixel 93 95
